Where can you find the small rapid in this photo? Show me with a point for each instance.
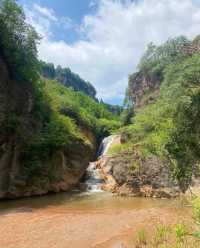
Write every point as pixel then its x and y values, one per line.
pixel 94 179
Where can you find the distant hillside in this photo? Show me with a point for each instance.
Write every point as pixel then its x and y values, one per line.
pixel 67 78
pixel 115 109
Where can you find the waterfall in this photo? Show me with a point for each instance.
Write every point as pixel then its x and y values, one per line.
pixel 105 145
pixel 94 180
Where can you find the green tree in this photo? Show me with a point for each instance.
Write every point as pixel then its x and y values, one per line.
pixel 18 42
pixel 156 58
pixel 128 109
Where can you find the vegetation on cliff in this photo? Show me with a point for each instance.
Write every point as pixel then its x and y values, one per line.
pixel 68 118
pixel 66 77
pixel 18 42
pixel 168 126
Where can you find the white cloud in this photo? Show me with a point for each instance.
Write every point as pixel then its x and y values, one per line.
pixel 46 12
pixel 41 24
pixel 116 37
pixel 67 22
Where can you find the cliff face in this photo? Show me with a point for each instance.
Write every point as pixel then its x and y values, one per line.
pixel 143 88
pixel 60 171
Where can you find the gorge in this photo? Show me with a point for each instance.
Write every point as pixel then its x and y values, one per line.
pixel 78 172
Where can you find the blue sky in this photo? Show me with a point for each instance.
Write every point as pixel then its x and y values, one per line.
pixel 73 10
pixel 102 40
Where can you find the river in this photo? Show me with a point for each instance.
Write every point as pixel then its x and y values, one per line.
pixel 82 220
pixel 90 219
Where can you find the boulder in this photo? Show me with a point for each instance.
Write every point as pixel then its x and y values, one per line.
pixel 151 177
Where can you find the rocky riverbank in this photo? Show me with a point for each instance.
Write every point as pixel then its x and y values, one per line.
pixel 151 179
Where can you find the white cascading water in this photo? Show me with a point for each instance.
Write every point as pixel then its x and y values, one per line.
pixel 94 180
pixel 105 145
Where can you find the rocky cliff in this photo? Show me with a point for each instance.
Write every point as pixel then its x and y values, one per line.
pixel 143 88
pixel 124 175
pixel 58 171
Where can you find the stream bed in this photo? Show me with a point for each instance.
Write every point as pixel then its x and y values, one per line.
pixel 82 220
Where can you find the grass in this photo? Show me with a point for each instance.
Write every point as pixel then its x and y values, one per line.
pixel 162 233
pixel 181 235
pixel 165 236
pixel 141 238
pixel 118 148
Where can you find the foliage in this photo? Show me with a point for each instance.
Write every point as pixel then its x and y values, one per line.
pixel 144 85
pixel 179 235
pixel 156 58
pixel 184 90
pixel 57 134
pixel 128 110
pixel 67 78
pixel 18 41
pixel 196 209
pixel 119 148
pixel 64 113
pixel 181 231
pixel 141 238
pixel 161 235
pixel 115 109
pixel 82 109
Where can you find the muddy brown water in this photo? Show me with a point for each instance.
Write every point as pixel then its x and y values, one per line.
pixel 82 220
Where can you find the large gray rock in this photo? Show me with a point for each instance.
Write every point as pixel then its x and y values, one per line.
pixel 151 178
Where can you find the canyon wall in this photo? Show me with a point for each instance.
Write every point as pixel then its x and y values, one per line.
pixel 60 171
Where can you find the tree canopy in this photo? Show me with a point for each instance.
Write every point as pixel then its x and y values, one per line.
pixel 18 42
pixel 67 78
